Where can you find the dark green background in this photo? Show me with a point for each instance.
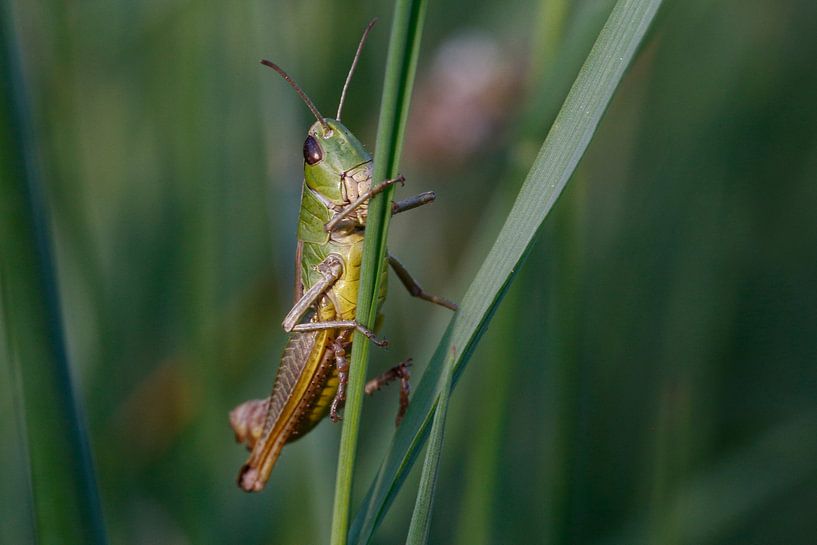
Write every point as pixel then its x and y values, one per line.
pixel 650 377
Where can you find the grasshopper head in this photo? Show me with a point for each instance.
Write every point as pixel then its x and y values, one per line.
pixel 336 165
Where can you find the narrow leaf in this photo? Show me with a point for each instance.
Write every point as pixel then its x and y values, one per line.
pixel 421 519
pixel 66 502
pixel 564 146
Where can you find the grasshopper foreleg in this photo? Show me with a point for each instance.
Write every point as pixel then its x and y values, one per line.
pixel 399 371
pixel 330 226
pixel 331 269
pixel 414 288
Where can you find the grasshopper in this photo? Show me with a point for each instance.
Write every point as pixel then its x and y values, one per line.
pixel 311 379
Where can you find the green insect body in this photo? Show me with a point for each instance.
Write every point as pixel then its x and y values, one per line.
pixel 310 382
pixel 330 185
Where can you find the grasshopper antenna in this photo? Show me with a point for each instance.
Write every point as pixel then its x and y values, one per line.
pixel 300 92
pixel 354 65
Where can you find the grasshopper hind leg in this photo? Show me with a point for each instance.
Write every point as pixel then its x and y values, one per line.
pixel 340 348
pixel 398 372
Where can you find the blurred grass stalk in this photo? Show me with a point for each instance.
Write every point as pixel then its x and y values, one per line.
pixel 66 501
pixel 401 65
pixel 564 146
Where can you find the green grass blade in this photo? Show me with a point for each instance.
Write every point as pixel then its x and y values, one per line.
pixel 564 146
pixel 421 518
pixel 66 502
pixel 401 64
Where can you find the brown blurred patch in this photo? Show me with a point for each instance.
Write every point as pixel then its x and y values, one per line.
pixel 158 408
pixel 464 101
pixel 161 406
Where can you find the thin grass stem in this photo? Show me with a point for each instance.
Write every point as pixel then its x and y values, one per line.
pixel 401 64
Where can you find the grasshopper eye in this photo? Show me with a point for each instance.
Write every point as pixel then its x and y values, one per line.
pixel 312 151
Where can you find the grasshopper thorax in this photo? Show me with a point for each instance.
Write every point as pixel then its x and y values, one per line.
pixel 336 165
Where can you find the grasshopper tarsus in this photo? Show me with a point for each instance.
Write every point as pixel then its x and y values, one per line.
pixel 334 414
pixel 413 202
pixel 382 343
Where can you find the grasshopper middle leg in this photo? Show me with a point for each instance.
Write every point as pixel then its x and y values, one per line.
pixel 414 288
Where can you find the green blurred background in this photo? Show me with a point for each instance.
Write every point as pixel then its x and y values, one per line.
pixel 650 377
